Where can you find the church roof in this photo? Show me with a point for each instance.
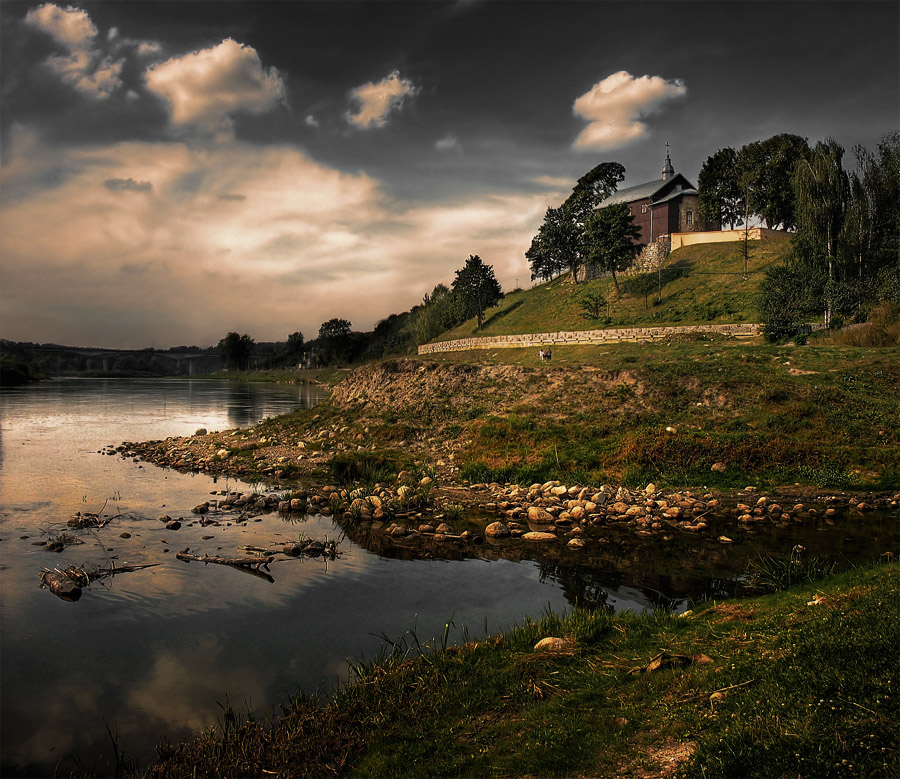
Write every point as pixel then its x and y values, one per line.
pixel 658 191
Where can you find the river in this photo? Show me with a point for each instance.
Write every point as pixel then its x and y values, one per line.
pixel 157 652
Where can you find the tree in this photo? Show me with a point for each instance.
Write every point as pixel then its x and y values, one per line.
pixel 236 350
pixel 435 315
pixel 293 348
pixel 334 341
pixel 789 294
pixel 721 198
pixel 642 284
pixel 592 303
pixel 475 289
pixel 561 242
pixel 765 171
pixel 821 189
pixel 612 239
pixel 556 247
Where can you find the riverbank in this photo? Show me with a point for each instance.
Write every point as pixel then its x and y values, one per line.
pixel 802 683
pixel 704 415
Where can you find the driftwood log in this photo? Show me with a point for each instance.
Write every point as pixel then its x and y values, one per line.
pixel 68 584
pixel 60 585
pixel 251 565
pixel 250 562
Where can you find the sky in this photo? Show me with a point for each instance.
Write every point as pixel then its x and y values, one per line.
pixel 174 171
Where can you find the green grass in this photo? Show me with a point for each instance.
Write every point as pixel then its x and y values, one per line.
pixel 798 683
pixel 822 415
pixel 700 284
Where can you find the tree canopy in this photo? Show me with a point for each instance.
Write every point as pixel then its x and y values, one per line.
pixel 236 350
pixel 766 172
pixel 721 198
pixel 561 242
pixel 611 239
pixel 334 341
pixel 475 289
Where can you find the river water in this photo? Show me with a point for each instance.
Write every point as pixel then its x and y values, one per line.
pixel 157 652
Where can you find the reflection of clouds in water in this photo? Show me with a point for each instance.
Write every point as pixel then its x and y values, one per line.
pixel 181 689
pixel 52 735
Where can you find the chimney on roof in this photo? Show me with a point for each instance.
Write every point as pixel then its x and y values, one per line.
pixel 668 170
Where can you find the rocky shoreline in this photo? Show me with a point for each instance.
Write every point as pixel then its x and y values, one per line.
pixel 414 506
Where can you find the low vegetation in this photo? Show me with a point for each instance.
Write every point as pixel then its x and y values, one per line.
pixel 798 683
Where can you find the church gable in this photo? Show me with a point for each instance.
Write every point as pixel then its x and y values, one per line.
pixel 662 207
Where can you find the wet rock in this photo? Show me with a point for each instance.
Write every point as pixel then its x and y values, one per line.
pixel 497 530
pixel 173 525
pixel 201 508
pixel 200 431
pixel 576 543
pixel 537 535
pixel 540 516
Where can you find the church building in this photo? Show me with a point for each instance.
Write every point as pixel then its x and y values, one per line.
pixel 662 207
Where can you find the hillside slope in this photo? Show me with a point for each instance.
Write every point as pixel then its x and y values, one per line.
pixel 697 285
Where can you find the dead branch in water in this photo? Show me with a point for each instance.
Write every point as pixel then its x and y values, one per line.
pixel 67 584
pixel 240 562
pixel 306 547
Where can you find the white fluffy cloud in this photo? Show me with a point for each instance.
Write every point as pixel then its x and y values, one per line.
pixel 68 26
pixel 204 88
pixel 84 66
pixel 615 106
pixel 375 101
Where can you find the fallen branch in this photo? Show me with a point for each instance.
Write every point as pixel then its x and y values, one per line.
pixel 67 584
pixel 240 562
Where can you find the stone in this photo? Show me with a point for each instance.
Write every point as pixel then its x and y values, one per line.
pixel 552 644
pixel 540 516
pixel 725 540
pixel 200 431
pixel 497 530
pixel 718 467
pixel 202 508
pixel 444 529
pixel 537 535
pixel 650 489
pixel 576 543
pixel 559 491
pixel 173 524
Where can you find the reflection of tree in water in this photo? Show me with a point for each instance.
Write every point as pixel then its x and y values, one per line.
pixel 240 405
pixel 583 587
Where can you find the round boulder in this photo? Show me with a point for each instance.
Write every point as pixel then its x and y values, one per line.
pixel 497 530
pixel 540 516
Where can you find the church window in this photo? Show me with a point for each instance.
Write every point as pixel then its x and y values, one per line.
pixel 689 218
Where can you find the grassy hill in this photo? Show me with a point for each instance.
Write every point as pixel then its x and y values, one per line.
pixel 699 284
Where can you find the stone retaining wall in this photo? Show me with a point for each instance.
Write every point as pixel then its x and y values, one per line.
pixel 591 337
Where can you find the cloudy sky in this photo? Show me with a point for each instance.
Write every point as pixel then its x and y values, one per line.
pixel 172 171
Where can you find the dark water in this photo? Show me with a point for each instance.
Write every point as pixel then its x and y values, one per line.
pixel 155 652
